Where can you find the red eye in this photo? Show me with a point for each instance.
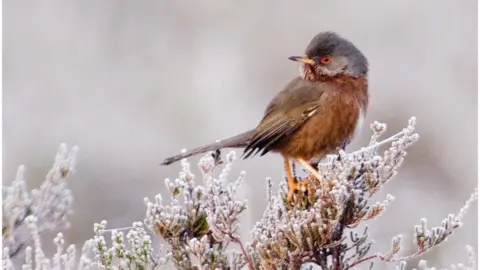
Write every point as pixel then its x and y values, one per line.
pixel 326 59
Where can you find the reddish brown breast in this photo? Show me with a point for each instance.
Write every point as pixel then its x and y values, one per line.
pixel 344 101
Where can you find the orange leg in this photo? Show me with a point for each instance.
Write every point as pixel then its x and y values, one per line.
pixel 310 169
pixel 292 185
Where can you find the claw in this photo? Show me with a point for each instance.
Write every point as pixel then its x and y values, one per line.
pixel 295 186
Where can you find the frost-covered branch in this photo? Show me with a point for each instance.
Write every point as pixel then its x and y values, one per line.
pixel 198 222
pixel 47 207
pixel 422 265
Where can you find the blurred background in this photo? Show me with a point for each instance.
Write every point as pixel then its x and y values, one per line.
pixel 132 82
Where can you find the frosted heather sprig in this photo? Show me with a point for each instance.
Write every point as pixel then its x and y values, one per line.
pixel 198 219
pixel 48 205
pixel 423 264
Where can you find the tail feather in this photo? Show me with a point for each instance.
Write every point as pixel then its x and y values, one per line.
pixel 237 141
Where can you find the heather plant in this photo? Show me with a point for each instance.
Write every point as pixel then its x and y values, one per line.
pixel 198 223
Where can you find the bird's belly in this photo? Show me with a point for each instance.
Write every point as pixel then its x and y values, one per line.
pixel 323 134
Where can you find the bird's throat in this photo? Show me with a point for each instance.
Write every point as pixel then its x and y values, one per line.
pixel 308 72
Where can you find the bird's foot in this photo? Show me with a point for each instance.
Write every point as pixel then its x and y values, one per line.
pixel 297 190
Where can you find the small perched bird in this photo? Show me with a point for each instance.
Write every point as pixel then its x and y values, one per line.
pixel 316 114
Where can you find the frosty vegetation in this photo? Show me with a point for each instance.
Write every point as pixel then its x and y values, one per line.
pixel 198 222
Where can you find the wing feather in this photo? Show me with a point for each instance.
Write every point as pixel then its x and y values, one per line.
pixel 288 111
pixel 272 130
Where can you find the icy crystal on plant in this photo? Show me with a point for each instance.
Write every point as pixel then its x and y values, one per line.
pixel 198 221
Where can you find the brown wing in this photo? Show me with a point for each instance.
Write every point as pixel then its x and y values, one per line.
pixel 289 110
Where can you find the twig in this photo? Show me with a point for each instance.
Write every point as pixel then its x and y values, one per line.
pixel 393 259
pixel 247 258
pixel 387 140
pixel 119 229
pixel 362 260
pixel 24 242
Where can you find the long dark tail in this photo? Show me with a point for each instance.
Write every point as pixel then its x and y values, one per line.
pixel 237 141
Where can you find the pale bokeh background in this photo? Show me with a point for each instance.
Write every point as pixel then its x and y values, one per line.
pixel 131 82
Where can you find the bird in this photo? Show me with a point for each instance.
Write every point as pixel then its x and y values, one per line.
pixel 317 113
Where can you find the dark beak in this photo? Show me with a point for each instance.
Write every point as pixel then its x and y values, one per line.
pixel 302 59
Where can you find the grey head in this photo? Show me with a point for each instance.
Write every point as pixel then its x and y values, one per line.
pixel 330 54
